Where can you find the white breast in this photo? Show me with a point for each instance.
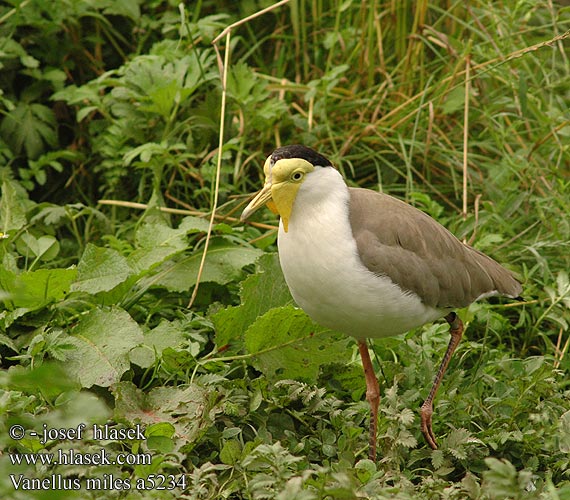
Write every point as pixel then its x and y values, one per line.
pixel 328 281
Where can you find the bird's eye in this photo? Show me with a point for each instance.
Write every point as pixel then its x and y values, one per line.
pixel 296 176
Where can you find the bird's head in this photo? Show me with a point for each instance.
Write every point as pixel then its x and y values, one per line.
pixel 285 171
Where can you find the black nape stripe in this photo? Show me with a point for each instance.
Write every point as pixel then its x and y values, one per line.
pixel 303 152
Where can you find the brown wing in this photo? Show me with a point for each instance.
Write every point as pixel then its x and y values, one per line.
pixel 399 241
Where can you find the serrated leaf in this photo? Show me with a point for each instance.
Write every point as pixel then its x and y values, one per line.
pixel 287 344
pixel 156 242
pixel 100 270
pixel 28 128
pixel 223 264
pixel 437 458
pixel 187 409
pixel 49 214
pixel 102 341
pixel 406 439
pixel 259 293
pixel 406 416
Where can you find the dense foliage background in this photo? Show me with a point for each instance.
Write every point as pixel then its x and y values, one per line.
pixel 110 113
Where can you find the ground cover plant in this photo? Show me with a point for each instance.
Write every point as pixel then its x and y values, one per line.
pixel 109 147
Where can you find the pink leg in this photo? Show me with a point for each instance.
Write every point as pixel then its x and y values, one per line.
pixel 372 396
pixel 426 410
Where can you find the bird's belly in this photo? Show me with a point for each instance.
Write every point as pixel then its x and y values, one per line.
pixel 330 283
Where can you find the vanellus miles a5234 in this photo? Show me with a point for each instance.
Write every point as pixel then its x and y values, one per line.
pixel 368 264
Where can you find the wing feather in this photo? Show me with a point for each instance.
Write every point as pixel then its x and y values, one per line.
pixel 397 240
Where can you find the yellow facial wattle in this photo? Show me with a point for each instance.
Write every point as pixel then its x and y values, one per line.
pixel 282 182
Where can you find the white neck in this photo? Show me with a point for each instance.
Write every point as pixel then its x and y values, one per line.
pixel 323 198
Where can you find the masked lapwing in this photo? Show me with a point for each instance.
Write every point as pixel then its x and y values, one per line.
pixel 369 265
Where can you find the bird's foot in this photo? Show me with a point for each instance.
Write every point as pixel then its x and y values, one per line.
pixel 426 411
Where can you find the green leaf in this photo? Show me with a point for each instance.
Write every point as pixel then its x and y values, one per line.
pixel 8 342
pixel 12 212
pixel 145 152
pixel 159 83
pixel 502 480
pixel 188 409
pixel 259 293
pixel 223 264
pixel 33 290
pixel 100 269
pixel 564 433
pixel 160 437
pixel 231 452
pixel 287 344
pixel 126 8
pixel 437 458
pixel 102 340
pixel 45 247
pixel 156 242
pixel 166 334
pixel 48 379
pixel 523 94
pixel 454 101
pixel 28 128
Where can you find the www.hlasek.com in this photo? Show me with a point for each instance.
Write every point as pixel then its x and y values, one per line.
pixel 97 458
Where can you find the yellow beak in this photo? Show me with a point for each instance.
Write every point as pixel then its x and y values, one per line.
pixel 261 199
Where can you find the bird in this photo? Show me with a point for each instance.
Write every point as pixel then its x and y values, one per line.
pixel 370 265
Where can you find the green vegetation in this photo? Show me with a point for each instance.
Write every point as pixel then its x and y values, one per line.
pixel 120 100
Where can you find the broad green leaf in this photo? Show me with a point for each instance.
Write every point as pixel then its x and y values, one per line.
pixel 43 286
pixel 223 264
pixel 12 212
pixel 102 339
pixel 160 437
pixel 156 242
pixel 48 379
pixel 32 290
pixel 48 247
pixel 100 269
pixel 166 334
pixel 287 344
pixel 192 224
pixel 187 409
pixel 231 452
pixel 45 247
pixel 126 8
pixel 259 293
